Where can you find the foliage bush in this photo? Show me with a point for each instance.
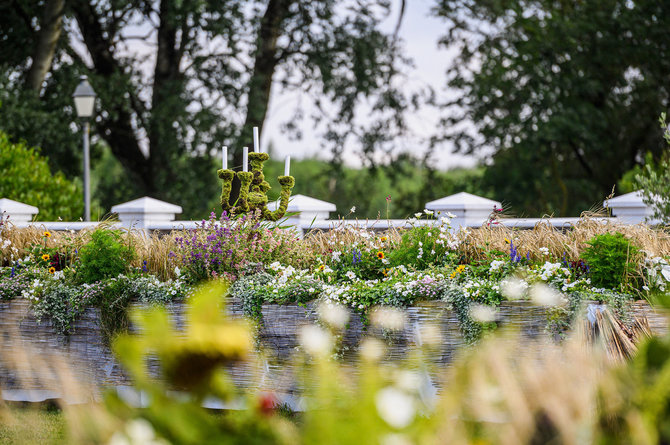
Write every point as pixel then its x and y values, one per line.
pixel 611 259
pixel 655 182
pixel 26 177
pixel 105 256
pixel 227 246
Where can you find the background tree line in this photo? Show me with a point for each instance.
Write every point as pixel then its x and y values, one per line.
pixel 563 96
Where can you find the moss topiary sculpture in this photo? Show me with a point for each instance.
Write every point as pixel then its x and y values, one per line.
pixel 253 190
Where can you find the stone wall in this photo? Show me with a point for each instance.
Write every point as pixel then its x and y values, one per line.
pixel 33 354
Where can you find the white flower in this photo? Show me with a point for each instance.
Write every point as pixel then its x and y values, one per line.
pixel 418 215
pixel 353 209
pixel 315 340
pixel 177 271
pixel 543 295
pixel 395 407
pixel 496 264
pixel 451 215
pixel 544 250
pixel 371 349
pixel 513 288
pixel 388 318
pixel 482 313
pixel 427 212
pixel 335 315
pixel 351 275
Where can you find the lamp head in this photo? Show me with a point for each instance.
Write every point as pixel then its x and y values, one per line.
pixel 84 98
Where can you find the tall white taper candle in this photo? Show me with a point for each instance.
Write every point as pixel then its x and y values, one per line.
pixel 245 159
pixel 257 145
pixel 224 155
pixel 287 166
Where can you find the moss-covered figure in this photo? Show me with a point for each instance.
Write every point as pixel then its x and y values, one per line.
pixel 253 190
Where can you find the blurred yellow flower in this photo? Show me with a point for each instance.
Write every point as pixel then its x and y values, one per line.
pixel 52 270
pixel 46 257
pixel 380 255
pixel 47 234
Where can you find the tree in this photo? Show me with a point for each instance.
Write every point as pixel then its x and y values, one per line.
pixel 216 64
pixel 26 178
pixel 654 181
pixel 562 93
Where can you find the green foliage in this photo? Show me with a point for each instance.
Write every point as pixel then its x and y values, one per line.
pixel 26 178
pixel 62 304
pixel 564 92
pixel 612 260
pixel 406 183
pixel 655 181
pixel 105 256
pixel 422 247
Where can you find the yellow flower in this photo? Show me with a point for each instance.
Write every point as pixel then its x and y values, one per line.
pixel 458 270
pixel 47 234
pixel 321 267
pixel 52 270
pixel 46 257
pixel 383 239
pixel 380 255
pixel 506 241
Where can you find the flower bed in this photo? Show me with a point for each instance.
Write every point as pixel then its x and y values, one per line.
pixel 472 271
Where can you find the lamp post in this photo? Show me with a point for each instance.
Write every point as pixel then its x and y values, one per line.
pixel 84 101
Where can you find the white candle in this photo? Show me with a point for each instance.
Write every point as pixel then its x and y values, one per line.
pixel 257 145
pixel 287 166
pixel 245 159
pixel 224 164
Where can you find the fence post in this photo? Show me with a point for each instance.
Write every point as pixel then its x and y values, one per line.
pixel 629 208
pixel 19 213
pixel 469 210
pixel 145 212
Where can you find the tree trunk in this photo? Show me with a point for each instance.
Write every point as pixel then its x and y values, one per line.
pixel 260 84
pixel 117 129
pixel 47 38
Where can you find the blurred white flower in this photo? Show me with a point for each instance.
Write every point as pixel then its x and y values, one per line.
pixel 543 295
pixel 428 212
pixel 371 349
pixel 482 313
pixel 395 407
pixel 418 214
pixel 513 288
pixel 351 275
pixel 544 250
pixel 334 315
pixel 388 318
pixel 408 380
pixel 430 334
pixel 315 340
pixel 353 209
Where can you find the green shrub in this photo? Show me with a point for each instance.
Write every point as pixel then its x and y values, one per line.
pixel 105 256
pixel 26 177
pixel 611 259
pixel 655 182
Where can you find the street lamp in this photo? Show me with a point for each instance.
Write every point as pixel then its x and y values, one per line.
pixel 84 100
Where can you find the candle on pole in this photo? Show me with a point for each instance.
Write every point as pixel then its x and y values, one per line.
pixel 224 164
pixel 245 159
pixel 257 145
pixel 287 166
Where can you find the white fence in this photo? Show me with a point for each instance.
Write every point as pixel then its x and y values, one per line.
pixel 305 213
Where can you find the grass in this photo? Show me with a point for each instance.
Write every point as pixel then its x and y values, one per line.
pixel 32 426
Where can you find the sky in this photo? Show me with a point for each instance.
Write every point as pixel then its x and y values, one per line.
pixel 420 33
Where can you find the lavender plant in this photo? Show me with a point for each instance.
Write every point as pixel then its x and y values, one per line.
pixel 224 247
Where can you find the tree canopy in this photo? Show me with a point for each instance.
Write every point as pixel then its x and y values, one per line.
pixel 177 79
pixel 564 95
